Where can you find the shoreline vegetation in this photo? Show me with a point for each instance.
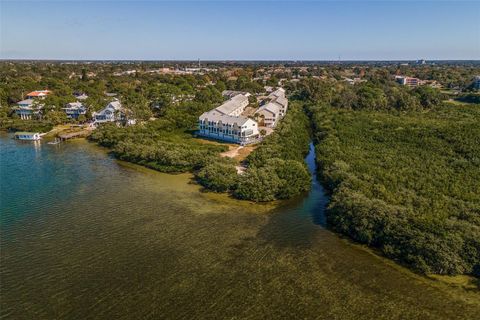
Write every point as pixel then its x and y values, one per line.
pixel 407 184
pixel 274 170
pixel 400 163
pixel 403 178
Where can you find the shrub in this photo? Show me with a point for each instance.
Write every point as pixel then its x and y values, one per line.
pixel 219 176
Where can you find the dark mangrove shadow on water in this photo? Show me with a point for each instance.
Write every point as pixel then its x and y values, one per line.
pixel 294 223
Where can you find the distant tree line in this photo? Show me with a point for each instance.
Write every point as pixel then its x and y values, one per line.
pixel 371 95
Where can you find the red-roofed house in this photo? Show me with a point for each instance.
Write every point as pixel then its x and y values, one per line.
pixel 38 94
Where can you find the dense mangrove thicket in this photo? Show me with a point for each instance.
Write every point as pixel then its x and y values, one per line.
pixel 407 183
pixel 289 141
pixel 156 145
pixel 219 175
pixel 9 124
pixel 276 169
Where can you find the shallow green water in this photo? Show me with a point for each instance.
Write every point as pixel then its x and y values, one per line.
pixel 84 236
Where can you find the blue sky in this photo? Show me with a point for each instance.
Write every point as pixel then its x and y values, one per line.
pixel 248 30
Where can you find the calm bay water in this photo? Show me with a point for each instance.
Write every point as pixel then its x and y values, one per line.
pixel 84 236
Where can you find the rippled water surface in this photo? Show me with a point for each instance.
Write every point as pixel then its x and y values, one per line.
pixel 84 236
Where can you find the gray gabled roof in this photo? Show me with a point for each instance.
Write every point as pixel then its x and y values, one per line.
pixel 281 101
pixel 277 93
pixel 232 104
pixel 74 105
pixel 82 96
pixel 115 104
pixel 216 116
pixel 271 107
pixel 26 101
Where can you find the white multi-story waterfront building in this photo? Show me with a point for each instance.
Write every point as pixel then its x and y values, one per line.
pixel 226 123
pixel 236 129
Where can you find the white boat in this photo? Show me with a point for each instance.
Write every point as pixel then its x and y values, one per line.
pixel 56 141
pixel 33 136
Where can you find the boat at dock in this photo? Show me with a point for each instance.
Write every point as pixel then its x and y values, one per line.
pixel 56 141
pixel 31 136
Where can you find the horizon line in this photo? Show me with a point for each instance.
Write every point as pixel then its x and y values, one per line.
pixel 241 60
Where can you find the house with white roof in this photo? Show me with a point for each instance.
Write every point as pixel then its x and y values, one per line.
pixel 75 109
pixel 111 113
pixel 278 97
pixel 270 114
pixel 232 93
pixel 234 106
pixel 280 92
pixel 237 129
pixel 80 96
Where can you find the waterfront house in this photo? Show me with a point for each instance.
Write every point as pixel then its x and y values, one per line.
pixel 38 94
pixel 278 97
pixel 226 123
pixel 75 109
pixel 111 113
pixel 270 114
pixel 236 129
pixel 28 109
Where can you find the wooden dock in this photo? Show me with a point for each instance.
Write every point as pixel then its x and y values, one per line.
pixel 71 135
